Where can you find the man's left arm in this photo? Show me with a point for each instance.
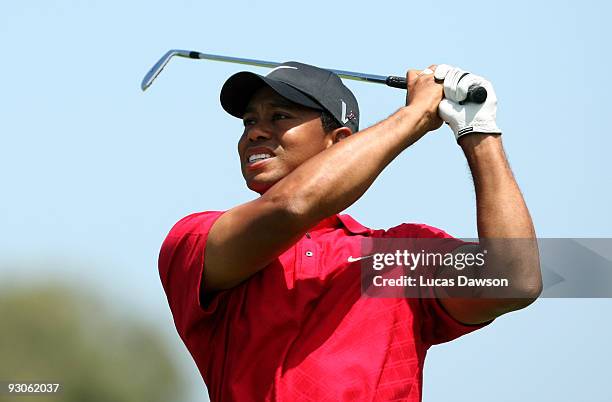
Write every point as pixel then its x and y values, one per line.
pixel 505 228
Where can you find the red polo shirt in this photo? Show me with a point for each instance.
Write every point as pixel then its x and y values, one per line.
pixel 299 330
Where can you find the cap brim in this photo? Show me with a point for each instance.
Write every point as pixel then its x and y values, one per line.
pixel 239 88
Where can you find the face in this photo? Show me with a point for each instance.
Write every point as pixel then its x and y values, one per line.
pixel 278 136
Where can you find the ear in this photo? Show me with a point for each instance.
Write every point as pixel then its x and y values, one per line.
pixel 340 133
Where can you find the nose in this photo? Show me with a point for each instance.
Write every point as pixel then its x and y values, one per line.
pixel 258 131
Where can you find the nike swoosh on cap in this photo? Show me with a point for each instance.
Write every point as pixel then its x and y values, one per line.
pixel 279 67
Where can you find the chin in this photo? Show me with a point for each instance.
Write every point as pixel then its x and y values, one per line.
pixel 260 186
pixel 262 182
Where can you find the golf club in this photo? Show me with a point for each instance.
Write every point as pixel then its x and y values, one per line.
pixel 476 94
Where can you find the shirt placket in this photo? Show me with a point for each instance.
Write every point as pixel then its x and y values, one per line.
pixel 308 256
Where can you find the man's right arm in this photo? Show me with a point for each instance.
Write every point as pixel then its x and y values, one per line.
pixel 248 237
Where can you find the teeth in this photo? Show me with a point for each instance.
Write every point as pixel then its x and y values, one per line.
pixel 258 157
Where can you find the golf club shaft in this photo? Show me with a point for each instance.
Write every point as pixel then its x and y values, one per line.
pixel 395 82
pixel 475 94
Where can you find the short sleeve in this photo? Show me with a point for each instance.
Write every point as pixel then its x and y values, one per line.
pixel 181 265
pixel 437 325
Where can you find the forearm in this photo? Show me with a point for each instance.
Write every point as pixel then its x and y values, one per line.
pixel 501 209
pixel 334 179
pixel 505 227
pixel 505 231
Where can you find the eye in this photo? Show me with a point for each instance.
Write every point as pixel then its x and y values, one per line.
pixel 279 116
pixel 248 121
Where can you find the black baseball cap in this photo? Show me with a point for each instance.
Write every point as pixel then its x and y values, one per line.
pixel 300 83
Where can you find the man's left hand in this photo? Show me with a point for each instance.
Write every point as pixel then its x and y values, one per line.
pixel 468 117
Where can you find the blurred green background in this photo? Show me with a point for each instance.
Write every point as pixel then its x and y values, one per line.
pixel 56 333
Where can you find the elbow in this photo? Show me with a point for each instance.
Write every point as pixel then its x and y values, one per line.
pixel 524 293
pixel 293 206
pixel 294 209
pixel 529 286
pixel 527 294
pixel 522 269
pixel 534 290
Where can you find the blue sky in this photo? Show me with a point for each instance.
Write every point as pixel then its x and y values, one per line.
pixel 95 172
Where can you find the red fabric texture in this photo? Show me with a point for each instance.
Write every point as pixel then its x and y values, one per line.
pixel 299 330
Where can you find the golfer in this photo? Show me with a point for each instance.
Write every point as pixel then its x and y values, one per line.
pixel 267 295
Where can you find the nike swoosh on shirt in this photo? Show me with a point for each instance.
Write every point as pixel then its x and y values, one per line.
pixel 351 259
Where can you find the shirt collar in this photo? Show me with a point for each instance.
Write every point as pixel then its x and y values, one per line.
pixel 353 226
pixel 345 220
pixel 330 222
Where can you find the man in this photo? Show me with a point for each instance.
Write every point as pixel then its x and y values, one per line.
pixel 267 296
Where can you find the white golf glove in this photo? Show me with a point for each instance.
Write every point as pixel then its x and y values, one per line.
pixel 468 117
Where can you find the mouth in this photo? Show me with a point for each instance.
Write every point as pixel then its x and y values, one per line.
pixel 258 156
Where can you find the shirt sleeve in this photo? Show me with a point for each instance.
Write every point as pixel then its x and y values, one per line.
pixel 181 267
pixel 437 325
